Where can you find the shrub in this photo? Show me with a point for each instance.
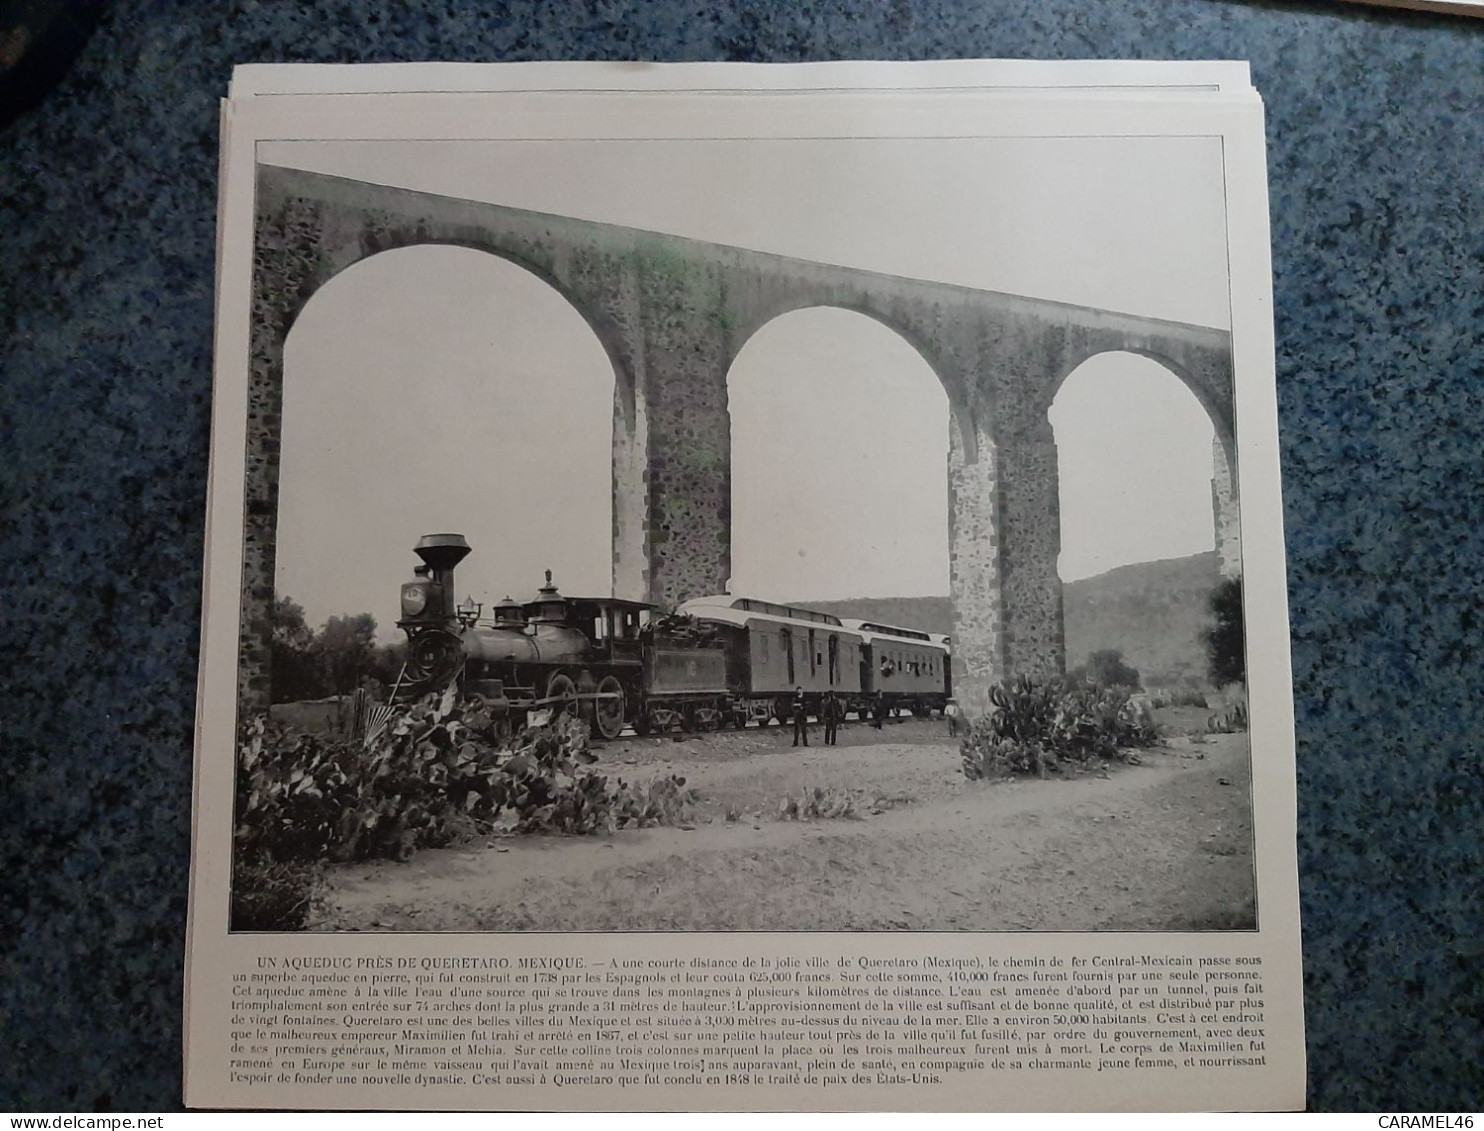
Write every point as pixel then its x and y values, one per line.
pixel 1098 722
pixel 987 756
pixel 818 804
pixel 437 772
pixel 1226 658
pixel 1230 721
pixel 664 801
pixel 1105 669
pixel 269 896
pixel 1187 696
pixel 1035 726
pixel 1024 710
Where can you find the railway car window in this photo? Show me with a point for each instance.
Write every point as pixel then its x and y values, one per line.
pixel 762 647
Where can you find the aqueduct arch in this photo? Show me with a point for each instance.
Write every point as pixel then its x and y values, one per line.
pixel 837 426
pixel 1206 388
pixel 395 359
pixel 672 314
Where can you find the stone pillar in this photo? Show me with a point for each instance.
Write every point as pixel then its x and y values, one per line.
pixel 974 563
pixel 687 350
pixel 1030 540
pixel 285 270
pixel 630 498
pixel 1226 511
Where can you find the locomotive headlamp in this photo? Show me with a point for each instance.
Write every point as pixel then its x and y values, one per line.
pixel 469 610
pixel 414 599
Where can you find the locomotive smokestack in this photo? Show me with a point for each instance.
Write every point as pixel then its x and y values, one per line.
pixel 440 553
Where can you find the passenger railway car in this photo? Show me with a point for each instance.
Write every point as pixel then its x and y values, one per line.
pixel 774 649
pixel 907 669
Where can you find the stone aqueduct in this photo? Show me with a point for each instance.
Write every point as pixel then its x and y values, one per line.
pixel 672 314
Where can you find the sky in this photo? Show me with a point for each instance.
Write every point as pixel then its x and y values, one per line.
pixel 437 388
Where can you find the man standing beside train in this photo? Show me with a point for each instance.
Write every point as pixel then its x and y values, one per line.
pixel 801 717
pixel 832 713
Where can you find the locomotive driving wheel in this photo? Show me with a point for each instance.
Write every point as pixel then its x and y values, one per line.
pixel 608 712
pixel 561 694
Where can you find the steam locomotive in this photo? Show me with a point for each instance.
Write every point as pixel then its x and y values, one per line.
pixel 621 663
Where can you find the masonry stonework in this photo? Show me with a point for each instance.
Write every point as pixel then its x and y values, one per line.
pixel 673 314
pixel 1225 511
pixel 973 569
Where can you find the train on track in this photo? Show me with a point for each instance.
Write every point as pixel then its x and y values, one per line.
pixel 715 661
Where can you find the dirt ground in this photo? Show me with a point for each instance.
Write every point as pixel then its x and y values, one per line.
pixel 1162 845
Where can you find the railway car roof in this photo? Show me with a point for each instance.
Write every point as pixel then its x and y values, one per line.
pixel 870 631
pixel 742 610
pixel 770 608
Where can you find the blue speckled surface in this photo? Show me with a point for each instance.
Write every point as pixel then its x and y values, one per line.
pixel 1376 127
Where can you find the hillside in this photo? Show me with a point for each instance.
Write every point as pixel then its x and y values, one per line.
pixel 1155 613
pixel 926 614
pixel 1152 612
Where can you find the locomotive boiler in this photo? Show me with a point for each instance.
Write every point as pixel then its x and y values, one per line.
pixel 613 662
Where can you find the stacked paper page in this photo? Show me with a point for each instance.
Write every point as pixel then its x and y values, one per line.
pixel 745 587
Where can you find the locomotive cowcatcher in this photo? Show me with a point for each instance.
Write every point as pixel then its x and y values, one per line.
pixel 612 662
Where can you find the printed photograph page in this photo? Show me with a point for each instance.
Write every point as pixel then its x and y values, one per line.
pixel 756 600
